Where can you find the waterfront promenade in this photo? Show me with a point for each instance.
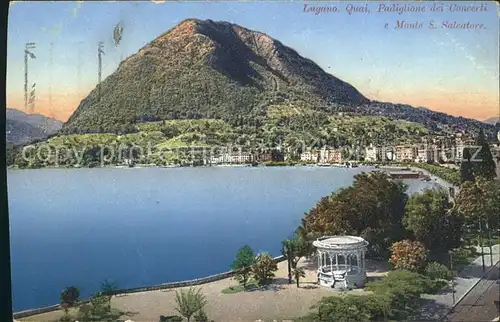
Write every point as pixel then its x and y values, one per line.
pixel 481 304
pixel 279 301
pixel 439 305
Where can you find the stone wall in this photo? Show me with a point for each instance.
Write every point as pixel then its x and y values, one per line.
pixel 163 286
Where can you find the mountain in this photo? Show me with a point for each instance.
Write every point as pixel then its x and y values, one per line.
pixel 218 70
pixel 206 69
pixel 492 120
pixel 23 128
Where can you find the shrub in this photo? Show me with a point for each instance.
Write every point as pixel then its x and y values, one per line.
pixel 263 269
pixel 435 270
pixel 397 294
pixel 407 254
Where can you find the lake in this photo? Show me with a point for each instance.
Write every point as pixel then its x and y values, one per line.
pixel 148 226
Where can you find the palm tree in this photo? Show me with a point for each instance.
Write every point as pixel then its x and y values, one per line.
pixel 288 250
pixel 298 272
pixel 189 302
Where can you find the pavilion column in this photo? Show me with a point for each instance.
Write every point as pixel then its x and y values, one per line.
pixel 337 261
pixel 331 263
pixel 319 260
pixel 350 261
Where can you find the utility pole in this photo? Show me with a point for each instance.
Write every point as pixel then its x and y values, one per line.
pixel 27 53
pixel 51 62
pixel 100 52
pixel 79 67
pixel 481 242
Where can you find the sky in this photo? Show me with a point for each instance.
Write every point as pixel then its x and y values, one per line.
pixel 455 71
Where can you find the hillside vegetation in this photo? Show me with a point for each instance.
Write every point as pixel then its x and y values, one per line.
pixel 166 142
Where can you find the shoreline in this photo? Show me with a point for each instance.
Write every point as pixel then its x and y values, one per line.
pixel 140 289
pixel 375 166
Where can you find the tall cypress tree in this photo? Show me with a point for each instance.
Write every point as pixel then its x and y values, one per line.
pixel 466 168
pixel 484 165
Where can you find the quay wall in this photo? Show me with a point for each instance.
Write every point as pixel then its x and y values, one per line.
pixel 197 281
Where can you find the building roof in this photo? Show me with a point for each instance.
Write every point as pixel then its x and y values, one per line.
pixel 340 242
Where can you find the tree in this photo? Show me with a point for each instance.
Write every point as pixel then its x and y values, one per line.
pixel 466 168
pixel 98 310
pixel 264 267
pixel 107 290
pixel 380 242
pixel 484 165
pixel 407 254
pixel 479 203
pixel 288 250
pixel 69 297
pixel 429 218
pixel 479 200
pixel 189 302
pixel 294 249
pixel 374 201
pixel 245 258
pixel 298 272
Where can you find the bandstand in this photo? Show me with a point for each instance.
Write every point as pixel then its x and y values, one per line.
pixel 341 261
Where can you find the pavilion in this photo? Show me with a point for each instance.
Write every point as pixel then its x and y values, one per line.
pixel 341 261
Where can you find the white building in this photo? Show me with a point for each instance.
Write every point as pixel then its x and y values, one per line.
pixel 239 157
pixel 309 156
pixel 459 150
pixel 371 153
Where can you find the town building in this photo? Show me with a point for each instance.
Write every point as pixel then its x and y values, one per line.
pixel 371 153
pixel 459 150
pixel 405 153
pixel 309 156
pixel 273 155
pixel 327 155
pixel 423 153
pixel 235 157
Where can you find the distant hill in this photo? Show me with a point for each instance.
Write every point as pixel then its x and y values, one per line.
pixel 23 128
pixel 492 120
pixel 218 70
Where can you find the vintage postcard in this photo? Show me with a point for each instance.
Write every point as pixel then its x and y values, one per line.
pixel 253 161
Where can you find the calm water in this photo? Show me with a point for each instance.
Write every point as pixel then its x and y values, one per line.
pixel 148 226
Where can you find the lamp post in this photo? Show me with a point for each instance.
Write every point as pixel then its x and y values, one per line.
pixel 489 243
pixel 453 277
pixel 27 54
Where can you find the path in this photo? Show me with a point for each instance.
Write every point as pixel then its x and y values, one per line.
pixel 280 301
pixel 479 304
pixel 436 306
